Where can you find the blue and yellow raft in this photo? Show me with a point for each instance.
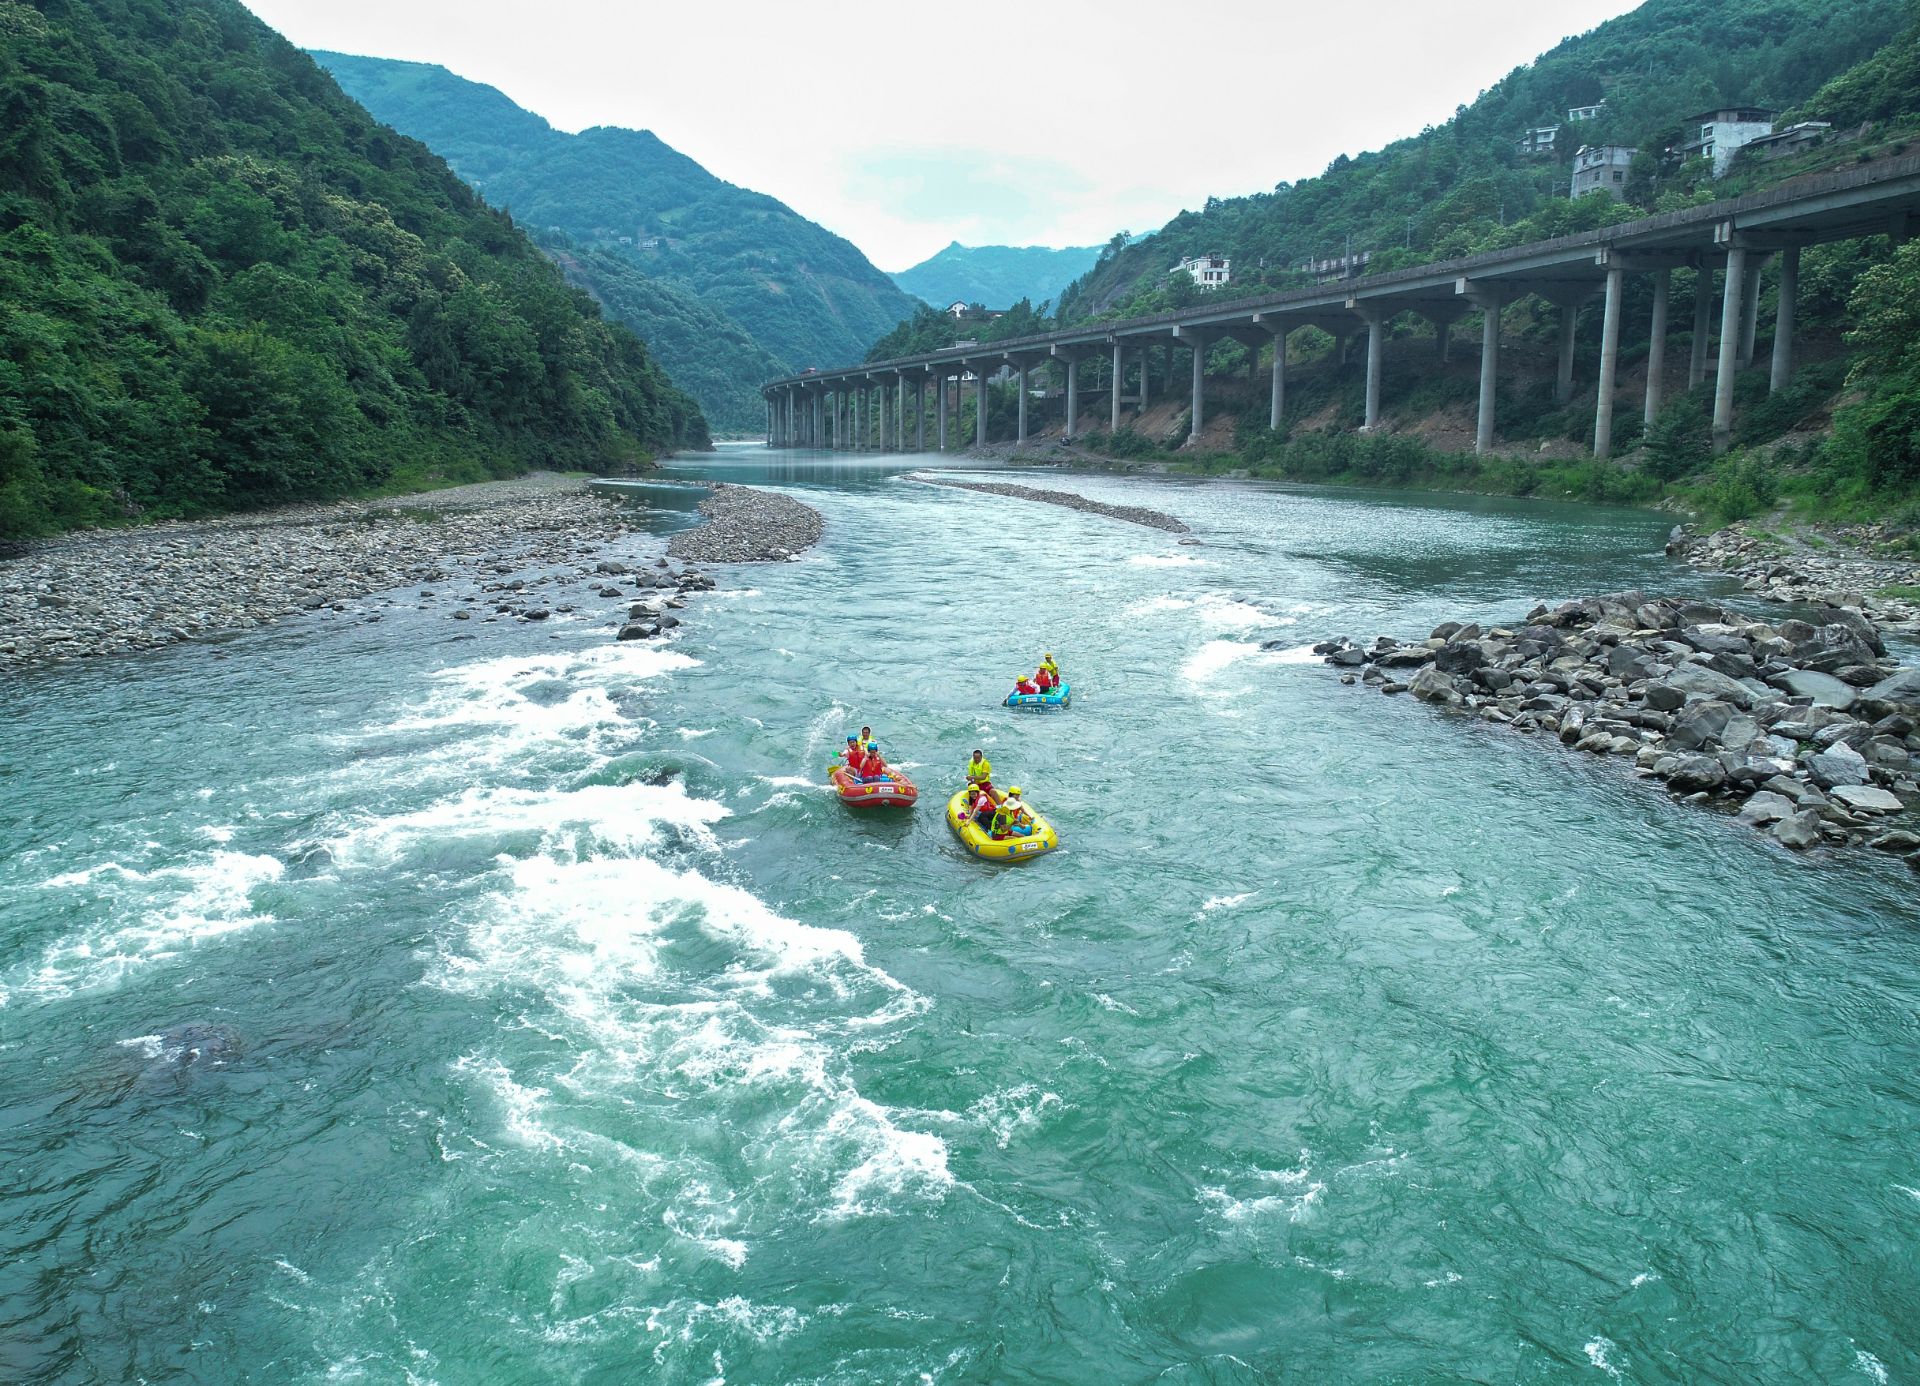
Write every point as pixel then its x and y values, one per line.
pixel 983 845
pixel 1059 698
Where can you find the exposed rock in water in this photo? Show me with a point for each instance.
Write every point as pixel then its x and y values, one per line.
pixel 745 525
pixel 1721 708
pixel 1131 514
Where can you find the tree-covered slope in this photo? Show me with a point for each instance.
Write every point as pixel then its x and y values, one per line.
pixel 996 275
pixel 803 295
pixel 1456 188
pixel 223 284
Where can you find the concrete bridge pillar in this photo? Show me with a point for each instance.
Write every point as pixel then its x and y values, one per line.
pixel 1783 319
pixel 980 406
pixel 1020 433
pixel 1490 301
pixel 1732 314
pixel 900 412
pixel 1119 373
pixel 940 407
pixel 1277 386
pixel 1073 398
pixel 1609 363
pixel 1702 325
pixel 1750 304
pixel 1376 320
pixel 920 412
pixel 1146 387
pixel 1657 345
pixel 1197 409
pixel 1569 327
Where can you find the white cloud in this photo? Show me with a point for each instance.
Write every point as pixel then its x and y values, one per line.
pixel 903 127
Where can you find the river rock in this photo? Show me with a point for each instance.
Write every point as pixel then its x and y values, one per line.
pixel 1866 798
pixel 1824 689
pixel 1433 686
pixel 1698 680
pixel 1696 773
pixel 1766 807
pixel 1699 723
pixel 1800 831
pixel 1838 765
pixel 1901 689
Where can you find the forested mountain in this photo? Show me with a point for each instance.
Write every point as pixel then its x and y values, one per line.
pixel 730 269
pixel 995 275
pixel 1464 186
pixel 223 284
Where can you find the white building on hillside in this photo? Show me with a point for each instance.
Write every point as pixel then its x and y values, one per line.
pixel 1208 271
pixel 1602 168
pixel 1722 133
pixel 1580 113
pixel 1539 140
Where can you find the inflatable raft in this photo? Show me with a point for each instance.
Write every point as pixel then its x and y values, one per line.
pixel 977 841
pixel 895 791
pixel 1059 698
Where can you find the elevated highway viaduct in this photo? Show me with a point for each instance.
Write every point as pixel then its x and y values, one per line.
pixel 884 404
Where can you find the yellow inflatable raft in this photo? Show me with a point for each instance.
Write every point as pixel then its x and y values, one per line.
pixel 977 841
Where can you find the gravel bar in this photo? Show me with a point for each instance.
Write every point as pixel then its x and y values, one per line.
pixel 745 525
pixel 1132 514
pixel 103 592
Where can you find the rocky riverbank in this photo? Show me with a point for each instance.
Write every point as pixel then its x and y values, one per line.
pixel 1851 566
pixel 745 525
pixel 1810 731
pixel 116 591
pixel 1131 514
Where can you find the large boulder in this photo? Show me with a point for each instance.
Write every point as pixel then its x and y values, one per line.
pixel 1900 689
pixel 1663 697
pixel 1824 689
pixel 1692 774
pixel 1839 764
pixel 1866 798
pixel 1434 686
pixel 1698 680
pixel 1766 807
pixel 1800 831
pixel 1460 657
pixel 1832 647
pixel 1699 724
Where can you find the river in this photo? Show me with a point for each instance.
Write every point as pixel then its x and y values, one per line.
pixel 559 1028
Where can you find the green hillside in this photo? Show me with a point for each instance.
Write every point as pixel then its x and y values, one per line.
pixel 995 275
pixel 222 284
pixel 1463 186
pixel 801 295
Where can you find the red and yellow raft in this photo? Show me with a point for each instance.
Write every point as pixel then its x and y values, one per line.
pixel 895 791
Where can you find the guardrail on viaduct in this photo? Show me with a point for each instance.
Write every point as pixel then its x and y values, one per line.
pixel 848 409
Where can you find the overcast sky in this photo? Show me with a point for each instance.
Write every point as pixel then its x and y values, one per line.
pixel 903 126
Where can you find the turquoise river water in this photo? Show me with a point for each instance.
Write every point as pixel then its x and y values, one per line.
pixel 570 1033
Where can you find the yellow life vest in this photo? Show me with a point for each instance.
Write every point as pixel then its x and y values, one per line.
pixel 978 770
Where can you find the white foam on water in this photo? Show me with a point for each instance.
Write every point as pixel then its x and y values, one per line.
pixel 1597 1351
pixel 1230 613
pixel 1214 658
pixel 1113 1005
pixel 1870 1366
pixel 1154 605
pixel 695 733
pixel 629 817
pixel 1303 1194
pixel 1643 1278
pixel 1910 1193
pixel 1009 1112
pixel 1228 902
pixel 1164 560
pixel 1302 654
pixel 145 917
pixel 659 981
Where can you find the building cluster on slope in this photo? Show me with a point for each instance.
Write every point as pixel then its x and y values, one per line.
pixel 1716 136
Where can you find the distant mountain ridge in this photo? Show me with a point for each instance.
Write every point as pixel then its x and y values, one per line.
pixel 996 275
pixel 727 285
